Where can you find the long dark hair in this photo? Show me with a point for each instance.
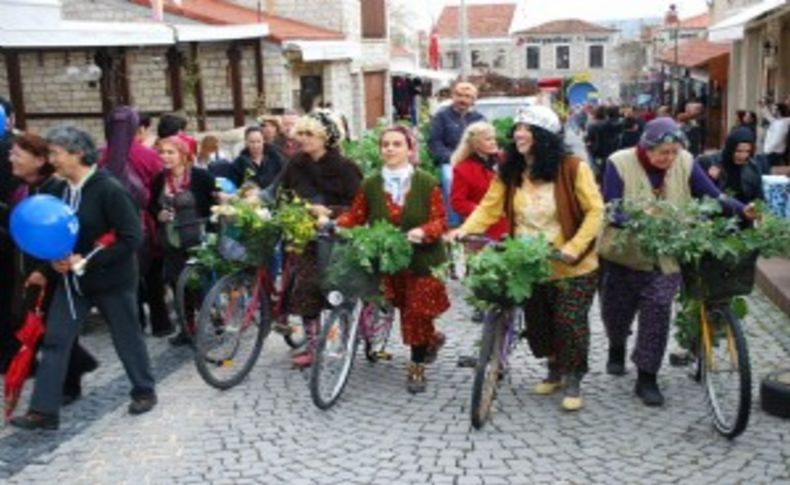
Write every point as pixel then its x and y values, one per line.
pixel 548 151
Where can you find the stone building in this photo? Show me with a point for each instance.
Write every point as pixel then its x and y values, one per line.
pixel 570 48
pixel 222 80
pixel 760 60
pixel 489 46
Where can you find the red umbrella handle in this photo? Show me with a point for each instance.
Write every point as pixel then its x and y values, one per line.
pixel 40 301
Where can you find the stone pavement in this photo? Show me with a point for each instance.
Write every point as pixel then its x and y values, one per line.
pixel 267 430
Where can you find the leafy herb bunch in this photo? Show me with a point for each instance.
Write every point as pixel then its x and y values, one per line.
pixel 506 275
pixel 363 254
pixel 687 232
pixel 245 220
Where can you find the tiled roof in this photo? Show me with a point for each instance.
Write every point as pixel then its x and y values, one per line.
pixel 492 20
pixel 567 26
pixel 700 21
pixel 223 12
pixel 694 52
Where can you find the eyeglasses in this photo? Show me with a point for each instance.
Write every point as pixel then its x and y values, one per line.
pixel 306 133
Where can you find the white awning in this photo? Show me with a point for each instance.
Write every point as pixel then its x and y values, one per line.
pixel 408 69
pixel 324 50
pixel 732 27
pixel 71 33
pixel 197 33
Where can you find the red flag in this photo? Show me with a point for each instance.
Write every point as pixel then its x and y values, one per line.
pixel 433 49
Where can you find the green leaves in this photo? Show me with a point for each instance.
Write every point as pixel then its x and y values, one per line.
pixel 379 248
pixel 296 222
pixel 506 275
pixel 687 232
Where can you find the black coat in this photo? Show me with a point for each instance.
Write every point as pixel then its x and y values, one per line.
pixel 201 184
pixel 244 170
pixel 106 206
pixel 332 181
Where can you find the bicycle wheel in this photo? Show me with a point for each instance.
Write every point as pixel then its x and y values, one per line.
pixel 334 356
pixel 232 324
pixel 377 331
pixel 487 369
pixel 726 372
pixel 193 282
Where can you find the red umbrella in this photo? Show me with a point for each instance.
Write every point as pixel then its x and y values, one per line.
pixel 19 369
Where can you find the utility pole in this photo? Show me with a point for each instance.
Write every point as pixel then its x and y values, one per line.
pixel 463 35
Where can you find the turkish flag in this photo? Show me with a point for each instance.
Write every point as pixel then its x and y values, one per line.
pixel 433 49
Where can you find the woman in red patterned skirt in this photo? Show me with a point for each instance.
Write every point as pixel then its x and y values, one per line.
pixel 411 199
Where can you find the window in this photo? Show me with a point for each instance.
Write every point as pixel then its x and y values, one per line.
pixel 477 59
pixel 596 57
pixel 563 57
pixel 499 61
pixel 533 57
pixel 374 19
pixel 452 60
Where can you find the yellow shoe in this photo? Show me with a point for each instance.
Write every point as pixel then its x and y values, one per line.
pixel 572 403
pixel 545 388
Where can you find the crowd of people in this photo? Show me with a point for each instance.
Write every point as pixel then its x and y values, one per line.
pixel 156 200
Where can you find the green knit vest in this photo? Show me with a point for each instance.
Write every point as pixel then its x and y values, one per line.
pixel 416 212
pixel 636 186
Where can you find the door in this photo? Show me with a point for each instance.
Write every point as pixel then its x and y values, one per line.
pixel 374 97
pixel 311 93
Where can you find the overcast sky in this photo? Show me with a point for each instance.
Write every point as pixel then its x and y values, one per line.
pixel 538 11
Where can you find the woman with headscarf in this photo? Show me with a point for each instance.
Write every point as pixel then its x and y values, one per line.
pixel 412 200
pixel 320 174
pixel 181 198
pixel 734 169
pixel 546 191
pixel 135 166
pixel 633 283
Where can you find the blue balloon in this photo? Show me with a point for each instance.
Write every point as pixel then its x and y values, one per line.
pixel 226 185
pixel 3 121
pixel 44 227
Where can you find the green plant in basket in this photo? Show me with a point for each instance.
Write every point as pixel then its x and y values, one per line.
pixel 365 253
pixel 207 256
pixel 297 223
pixel 248 222
pixel 506 275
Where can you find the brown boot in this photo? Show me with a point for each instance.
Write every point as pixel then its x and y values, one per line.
pixel 415 381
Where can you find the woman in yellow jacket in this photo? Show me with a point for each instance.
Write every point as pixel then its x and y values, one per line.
pixel 545 190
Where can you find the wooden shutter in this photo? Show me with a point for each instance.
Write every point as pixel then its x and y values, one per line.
pixel 374 19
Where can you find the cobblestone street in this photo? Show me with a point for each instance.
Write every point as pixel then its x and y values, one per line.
pixel 267 430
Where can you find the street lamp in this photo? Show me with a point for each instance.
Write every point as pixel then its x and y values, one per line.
pixel 671 18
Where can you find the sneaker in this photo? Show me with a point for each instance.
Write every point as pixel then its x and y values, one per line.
pixel 647 389
pixel 572 400
pixel 433 350
pixel 34 420
pixel 142 404
pixel 415 381
pixel 551 383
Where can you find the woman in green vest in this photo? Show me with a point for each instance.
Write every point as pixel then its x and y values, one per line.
pixel 632 282
pixel 411 199
pixel 544 190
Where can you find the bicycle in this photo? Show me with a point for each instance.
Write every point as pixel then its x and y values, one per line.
pixel 237 315
pixel 723 363
pixel 351 319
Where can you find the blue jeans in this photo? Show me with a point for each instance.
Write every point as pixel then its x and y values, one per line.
pixel 453 219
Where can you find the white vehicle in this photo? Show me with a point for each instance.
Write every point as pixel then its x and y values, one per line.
pixel 502 106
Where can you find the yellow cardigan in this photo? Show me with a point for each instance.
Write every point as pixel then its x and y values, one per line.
pixel 492 207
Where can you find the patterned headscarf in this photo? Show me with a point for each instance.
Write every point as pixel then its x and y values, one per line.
pixel 330 126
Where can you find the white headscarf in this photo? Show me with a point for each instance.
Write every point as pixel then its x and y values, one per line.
pixel 397 182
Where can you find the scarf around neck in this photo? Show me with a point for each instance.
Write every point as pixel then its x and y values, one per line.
pixel 397 182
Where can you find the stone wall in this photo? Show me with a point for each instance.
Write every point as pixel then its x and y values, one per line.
pixel 148 79
pixel 489 52
pixel 112 11
pixel 329 14
pixel 46 88
pixel 4 92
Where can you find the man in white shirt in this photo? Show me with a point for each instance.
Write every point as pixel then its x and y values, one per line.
pixel 775 145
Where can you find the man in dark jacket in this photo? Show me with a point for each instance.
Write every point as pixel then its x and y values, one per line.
pixel 108 280
pixel 447 128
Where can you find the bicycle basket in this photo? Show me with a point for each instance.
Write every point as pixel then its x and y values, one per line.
pixel 719 279
pixel 234 247
pixel 344 275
